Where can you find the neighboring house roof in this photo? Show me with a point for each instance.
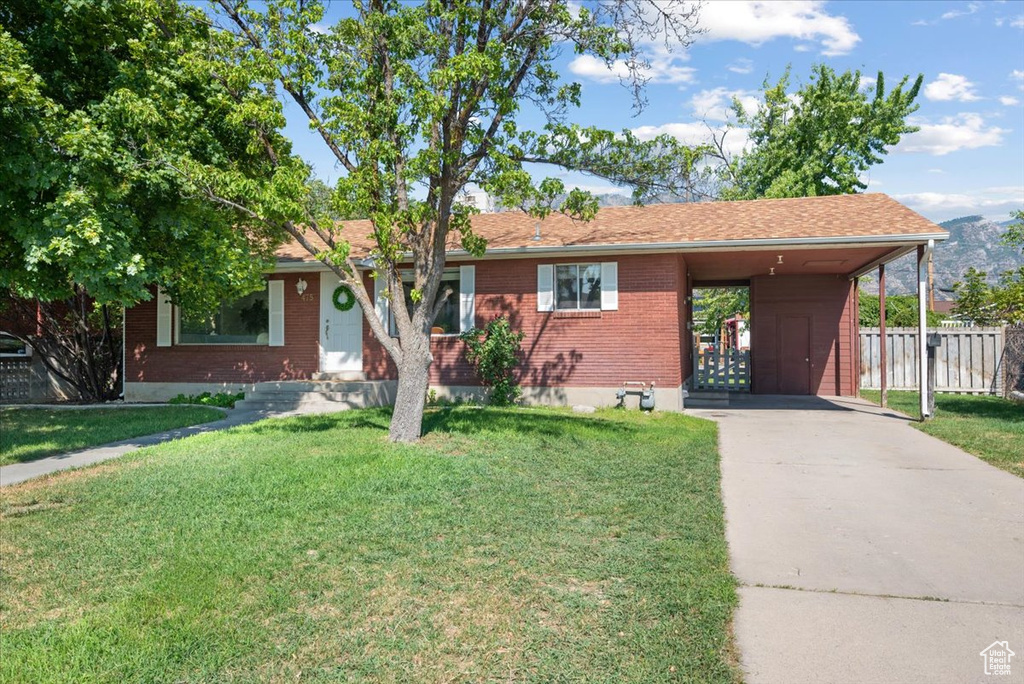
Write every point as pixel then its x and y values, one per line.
pixel 837 219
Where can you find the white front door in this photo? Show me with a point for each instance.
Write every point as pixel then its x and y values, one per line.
pixel 341 332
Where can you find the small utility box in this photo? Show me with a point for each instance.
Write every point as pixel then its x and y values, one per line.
pixel 933 342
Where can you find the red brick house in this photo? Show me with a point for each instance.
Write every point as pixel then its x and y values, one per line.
pixel 601 303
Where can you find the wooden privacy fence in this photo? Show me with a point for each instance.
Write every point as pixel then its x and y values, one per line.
pixel 969 360
pixel 722 369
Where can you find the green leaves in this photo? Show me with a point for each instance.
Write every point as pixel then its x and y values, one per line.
pixel 102 109
pixel 820 140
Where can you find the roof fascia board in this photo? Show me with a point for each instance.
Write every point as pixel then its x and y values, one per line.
pixel 884 259
pixel 842 242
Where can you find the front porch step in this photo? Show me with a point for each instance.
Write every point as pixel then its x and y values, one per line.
pixel 325 396
pixel 342 376
pixel 319 386
pixel 707 399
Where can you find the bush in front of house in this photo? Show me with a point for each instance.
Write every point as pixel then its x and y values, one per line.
pixel 222 399
pixel 495 352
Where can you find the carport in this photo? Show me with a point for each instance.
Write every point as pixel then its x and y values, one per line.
pixel 804 288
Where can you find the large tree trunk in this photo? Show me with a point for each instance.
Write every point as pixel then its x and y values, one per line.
pixel 413 378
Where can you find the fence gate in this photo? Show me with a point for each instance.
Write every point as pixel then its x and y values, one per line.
pixel 721 369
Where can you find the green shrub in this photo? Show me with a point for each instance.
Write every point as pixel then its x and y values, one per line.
pixel 222 399
pixel 495 351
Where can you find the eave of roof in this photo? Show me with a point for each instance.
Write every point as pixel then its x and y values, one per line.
pixel 813 222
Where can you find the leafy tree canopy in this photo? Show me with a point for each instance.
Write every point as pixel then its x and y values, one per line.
pixel 820 140
pixel 900 311
pixel 713 305
pixel 97 102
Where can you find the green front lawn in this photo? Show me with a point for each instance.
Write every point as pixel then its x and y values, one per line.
pixel 509 545
pixel 30 434
pixel 988 427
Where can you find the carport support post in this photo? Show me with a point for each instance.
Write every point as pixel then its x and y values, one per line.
pixel 882 342
pixel 924 252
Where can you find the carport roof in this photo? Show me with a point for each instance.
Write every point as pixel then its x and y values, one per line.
pixel 848 220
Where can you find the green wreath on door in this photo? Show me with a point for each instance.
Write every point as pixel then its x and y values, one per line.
pixel 344 299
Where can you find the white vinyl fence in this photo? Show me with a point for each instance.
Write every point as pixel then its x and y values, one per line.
pixel 968 360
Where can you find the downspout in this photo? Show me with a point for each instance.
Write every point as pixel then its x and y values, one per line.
pixel 924 253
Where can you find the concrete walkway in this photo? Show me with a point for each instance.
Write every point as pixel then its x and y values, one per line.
pixel 866 550
pixel 19 472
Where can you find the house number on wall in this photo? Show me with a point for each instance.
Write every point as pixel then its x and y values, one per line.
pixel 308 298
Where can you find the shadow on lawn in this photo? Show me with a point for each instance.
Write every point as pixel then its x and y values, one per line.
pixel 460 420
pixel 374 419
pixel 472 420
pixel 992 408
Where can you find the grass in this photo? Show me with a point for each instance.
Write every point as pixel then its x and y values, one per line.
pixel 508 545
pixel 988 427
pixel 30 434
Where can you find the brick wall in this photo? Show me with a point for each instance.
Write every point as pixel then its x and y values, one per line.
pixel 230 363
pixel 639 341
pixel 828 303
pixel 642 340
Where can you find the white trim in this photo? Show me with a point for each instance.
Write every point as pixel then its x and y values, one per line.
pixel 922 326
pixel 467 298
pixel 610 286
pixel 275 307
pixel 545 287
pixel 382 305
pixel 164 316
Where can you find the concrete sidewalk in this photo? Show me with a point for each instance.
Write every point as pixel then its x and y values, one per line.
pixel 19 472
pixel 867 551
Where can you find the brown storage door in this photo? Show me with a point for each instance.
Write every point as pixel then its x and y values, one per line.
pixel 794 354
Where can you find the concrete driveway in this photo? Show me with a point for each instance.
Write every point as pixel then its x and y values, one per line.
pixel 866 550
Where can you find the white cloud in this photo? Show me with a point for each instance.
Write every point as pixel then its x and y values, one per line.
pixel 867 83
pixel 741 66
pixel 951 87
pixel 995 203
pixel 698 133
pixel 1008 100
pixel 599 189
pixel 755 23
pixel 1018 76
pixel 972 7
pixel 1018 21
pixel 965 131
pixel 664 68
pixel 716 104
pixel 936 171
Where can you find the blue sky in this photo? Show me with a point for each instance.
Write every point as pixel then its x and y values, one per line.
pixel 968 157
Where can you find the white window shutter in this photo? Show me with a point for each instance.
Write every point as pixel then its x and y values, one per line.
pixel 275 294
pixel 610 286
pixel 545 287
pixel 164 312
pixel 381 304
pixel 467 298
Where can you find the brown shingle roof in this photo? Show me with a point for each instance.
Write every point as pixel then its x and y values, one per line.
pixel 837 216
